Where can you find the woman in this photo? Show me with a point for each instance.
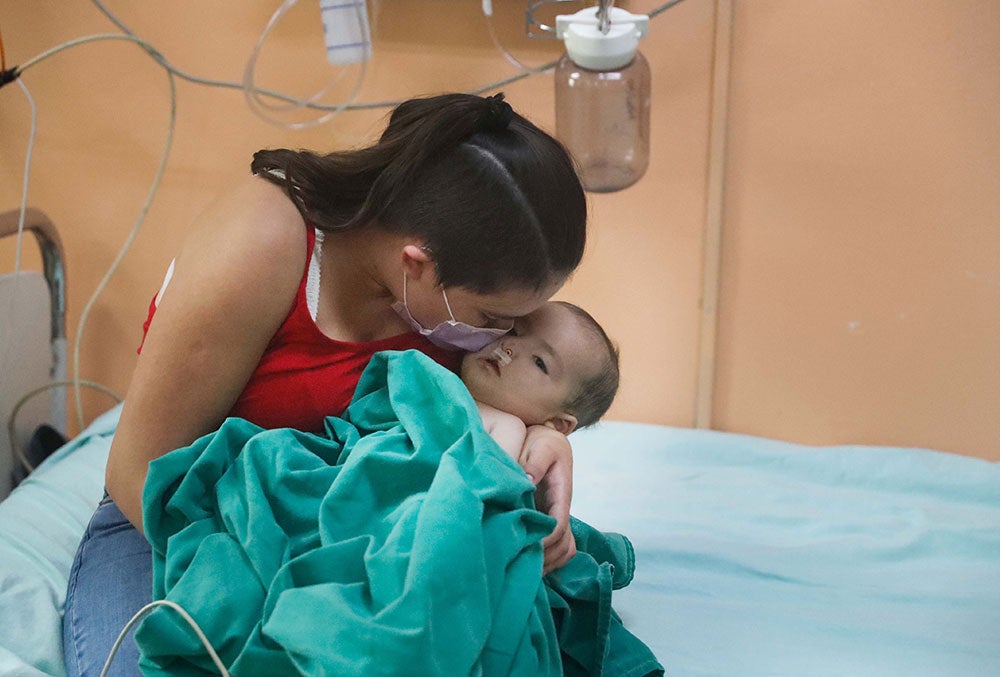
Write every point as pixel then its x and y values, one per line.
pixel 463 216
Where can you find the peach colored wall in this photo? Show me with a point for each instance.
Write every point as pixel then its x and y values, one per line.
pixel 859 298
pixel 861 261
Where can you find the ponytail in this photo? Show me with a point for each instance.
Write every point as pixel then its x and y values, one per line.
pixel 421 131
pixel 480 184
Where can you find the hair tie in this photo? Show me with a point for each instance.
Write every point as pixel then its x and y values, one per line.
pixel 497 114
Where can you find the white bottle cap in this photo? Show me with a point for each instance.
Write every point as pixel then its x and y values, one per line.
pixel 588 47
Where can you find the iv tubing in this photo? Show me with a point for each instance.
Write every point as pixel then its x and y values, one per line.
pixel 252 94
pixel 493 86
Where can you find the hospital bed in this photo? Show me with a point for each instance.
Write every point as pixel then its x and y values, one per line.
pixel 754 556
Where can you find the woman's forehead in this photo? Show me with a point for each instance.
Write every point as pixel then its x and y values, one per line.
pixel 513 303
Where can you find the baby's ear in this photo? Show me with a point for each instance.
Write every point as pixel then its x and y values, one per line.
pixel 564 423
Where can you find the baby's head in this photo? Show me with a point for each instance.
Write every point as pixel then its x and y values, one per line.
pixel 556 367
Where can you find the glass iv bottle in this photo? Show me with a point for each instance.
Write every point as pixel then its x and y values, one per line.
pixel 603 97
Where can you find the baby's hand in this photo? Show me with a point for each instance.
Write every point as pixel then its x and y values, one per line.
pixel 547 458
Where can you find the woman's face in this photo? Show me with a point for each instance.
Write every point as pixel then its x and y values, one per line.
pixel 494 310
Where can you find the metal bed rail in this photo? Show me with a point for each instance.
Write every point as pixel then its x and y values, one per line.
pixel 27 367
pixel 53 267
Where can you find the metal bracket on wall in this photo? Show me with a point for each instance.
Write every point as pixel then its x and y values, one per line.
pixel 714 214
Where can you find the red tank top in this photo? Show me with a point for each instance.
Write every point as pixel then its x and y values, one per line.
pixel 305 376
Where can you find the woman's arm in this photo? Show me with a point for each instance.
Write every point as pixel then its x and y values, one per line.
pixel 234 282
pixel 548 459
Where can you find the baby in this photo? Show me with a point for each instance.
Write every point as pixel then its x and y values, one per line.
pixel 557 367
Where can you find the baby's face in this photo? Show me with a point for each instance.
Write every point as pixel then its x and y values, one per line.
pixel 550 353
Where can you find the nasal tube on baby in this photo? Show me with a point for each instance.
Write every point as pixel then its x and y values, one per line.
pixel 503 359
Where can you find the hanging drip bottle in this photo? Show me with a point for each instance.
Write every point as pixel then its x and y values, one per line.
pixel 603 94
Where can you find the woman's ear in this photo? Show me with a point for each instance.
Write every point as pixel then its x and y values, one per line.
pixel 563 423
pixel 417 262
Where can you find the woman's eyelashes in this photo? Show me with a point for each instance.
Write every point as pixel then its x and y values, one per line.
pixel 496 322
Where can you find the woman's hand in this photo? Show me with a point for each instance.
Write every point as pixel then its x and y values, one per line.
pixel 547 458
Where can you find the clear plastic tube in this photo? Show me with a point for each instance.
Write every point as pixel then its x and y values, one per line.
pixel 503 357
pixel 259 107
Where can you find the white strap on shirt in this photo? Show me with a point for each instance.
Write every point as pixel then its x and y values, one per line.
pixel 312 276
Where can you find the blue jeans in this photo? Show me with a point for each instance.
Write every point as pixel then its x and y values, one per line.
pixel 111 579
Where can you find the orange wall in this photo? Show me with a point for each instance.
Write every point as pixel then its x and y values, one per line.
pixel 860 299
pixel 861 261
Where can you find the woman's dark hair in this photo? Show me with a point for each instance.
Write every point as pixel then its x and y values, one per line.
pixel 594 395
pixel 495 199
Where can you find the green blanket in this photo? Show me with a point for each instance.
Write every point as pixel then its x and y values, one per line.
pixel 401 541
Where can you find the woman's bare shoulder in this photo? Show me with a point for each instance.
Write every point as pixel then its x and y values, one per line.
pixel 253 212
pixel 253 227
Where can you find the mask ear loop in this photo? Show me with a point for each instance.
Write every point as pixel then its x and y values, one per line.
pixel 406 308
pixel 448 305
pixel 445 295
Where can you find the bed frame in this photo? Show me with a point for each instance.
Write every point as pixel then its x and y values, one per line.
pixel 32 352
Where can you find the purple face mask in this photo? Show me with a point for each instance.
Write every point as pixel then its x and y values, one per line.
pixel 450 334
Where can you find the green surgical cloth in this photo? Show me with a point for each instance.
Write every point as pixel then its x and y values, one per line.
pixel 400 541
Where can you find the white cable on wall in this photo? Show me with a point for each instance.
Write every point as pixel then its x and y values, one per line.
pixel 11 304
pixel 369 105
pixel 495 38
pixel 145 207
pixel 27 171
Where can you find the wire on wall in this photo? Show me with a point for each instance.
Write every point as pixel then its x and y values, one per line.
pixel 12 299
pixel 495 38
pixel 76 382
pixel 306 103
pixel 259 106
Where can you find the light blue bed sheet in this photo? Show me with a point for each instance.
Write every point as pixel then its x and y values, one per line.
pixel 754 557
pixel 761 558
pixel 41 523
